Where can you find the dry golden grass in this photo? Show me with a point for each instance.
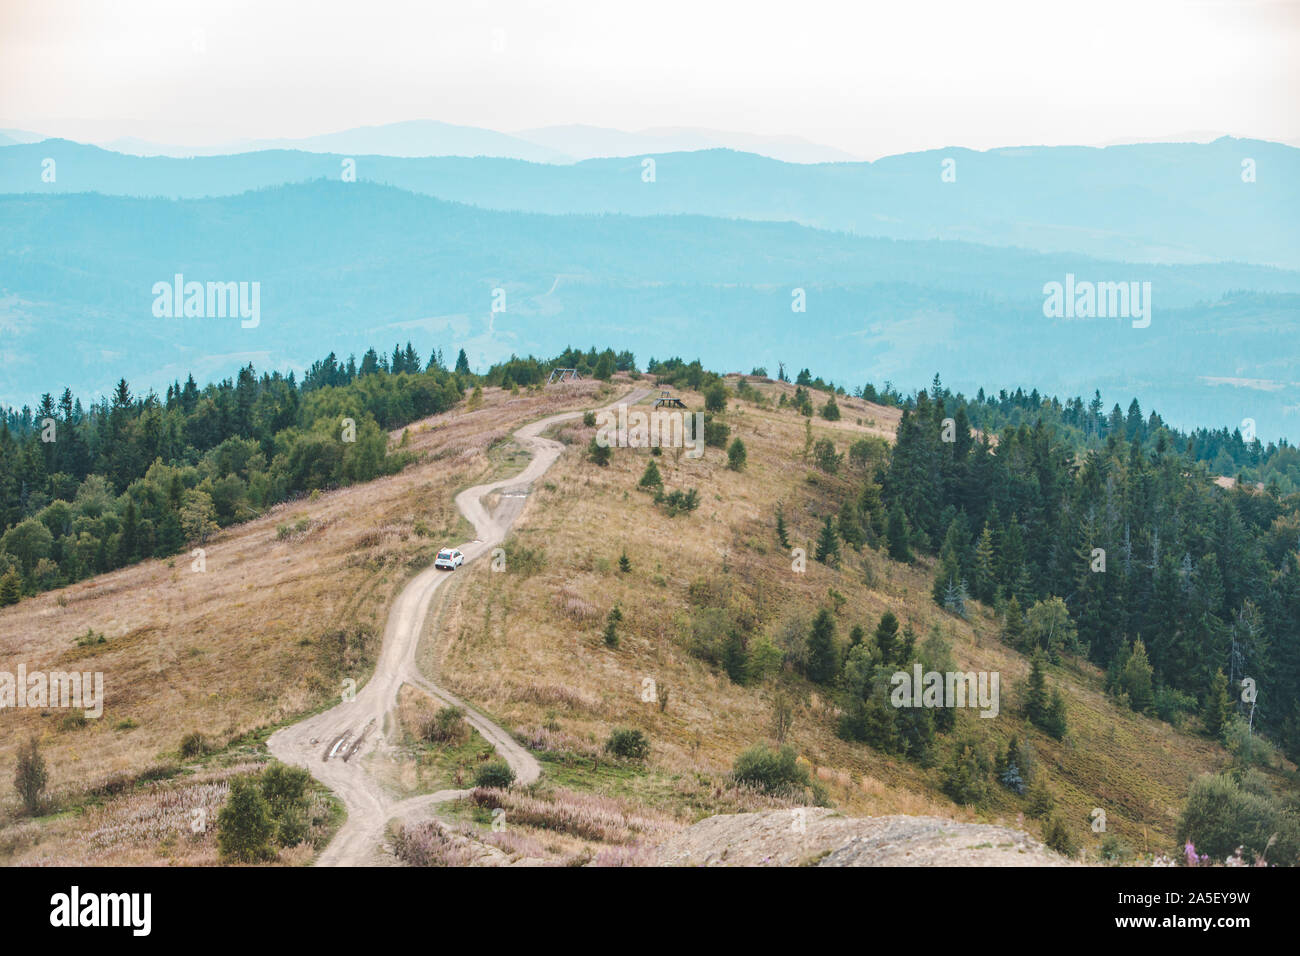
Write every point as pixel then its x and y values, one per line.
pixel 245 644
pixel 529 650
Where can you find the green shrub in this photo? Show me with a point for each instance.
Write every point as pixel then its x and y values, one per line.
pixel 285 790
pixel 1247 748
pixel 1057 837
pixel 1221 815
pixel 447 726
pixel 244 825
pixel 599 453
pixel 524 562
pixel 1114 850
pixel 494 774
pixel 772 771
pixel 1040 802
pixel 715 397
pixel 625 742
pixel 30 777
pixel 965 777
pixel 193 744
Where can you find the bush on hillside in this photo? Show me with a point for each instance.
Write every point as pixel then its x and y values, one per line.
pixel 628 743
pixel 495 774
pixel 772 771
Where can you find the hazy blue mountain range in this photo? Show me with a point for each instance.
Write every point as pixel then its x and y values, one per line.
pixel 345 266
pixel 1177 203
pixel 411 138
pixel 596 142
pixel 13 137
pixel 547 144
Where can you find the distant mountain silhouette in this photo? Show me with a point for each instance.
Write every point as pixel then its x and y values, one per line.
pixel 346 266
pixel 598 142
pixel 406 139
pixel 1170 203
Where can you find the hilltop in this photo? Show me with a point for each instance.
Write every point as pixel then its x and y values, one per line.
pixel 711 626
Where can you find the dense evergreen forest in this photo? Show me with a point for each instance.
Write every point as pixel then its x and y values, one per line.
pixel 85 490
pixel 1089 426
pixel 1120 543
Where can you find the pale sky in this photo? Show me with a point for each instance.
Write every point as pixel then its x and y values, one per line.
pixel 865 76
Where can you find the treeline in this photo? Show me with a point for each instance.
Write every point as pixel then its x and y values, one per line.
pixel 84 490
pixel 1124 549
pixel 524 372
pixel 1088 425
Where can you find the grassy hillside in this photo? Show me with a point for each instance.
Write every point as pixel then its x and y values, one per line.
pixel 290 605
pixel 527 644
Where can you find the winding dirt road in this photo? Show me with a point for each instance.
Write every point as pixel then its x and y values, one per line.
pixel 332 744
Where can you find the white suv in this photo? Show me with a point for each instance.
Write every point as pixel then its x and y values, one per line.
pixel 449 559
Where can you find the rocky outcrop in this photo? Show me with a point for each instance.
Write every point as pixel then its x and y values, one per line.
pixel 814 836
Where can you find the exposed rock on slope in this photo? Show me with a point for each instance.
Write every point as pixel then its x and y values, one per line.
pixel 820 837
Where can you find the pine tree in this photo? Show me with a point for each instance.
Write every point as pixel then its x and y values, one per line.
pixel 11 588
pixel 848 526
pixel 828 544
pixel 127 546
pixel 735 658
pixel 1036 701
pixel 1013 625
pixel 1135 679
pixel 886 637
pixel 651 478
pixel 1054 721
pixel 1217 708
pixel 1009 770
pixel 611 626
pixel 907 646
pixel 823 659
pixel 600 454
pixel 945 578
pixel 964 776
pixel 984 573
pixel 736 455
pixel 955 597
pixel 878 724
pixel 624 563
pixel 781 534
pixel 1057 837
pixel 899 547
pixel 462 363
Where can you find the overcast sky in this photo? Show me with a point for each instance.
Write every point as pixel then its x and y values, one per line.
pixel 868 77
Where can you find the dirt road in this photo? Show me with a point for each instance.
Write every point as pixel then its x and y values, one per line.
pixel 332 744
